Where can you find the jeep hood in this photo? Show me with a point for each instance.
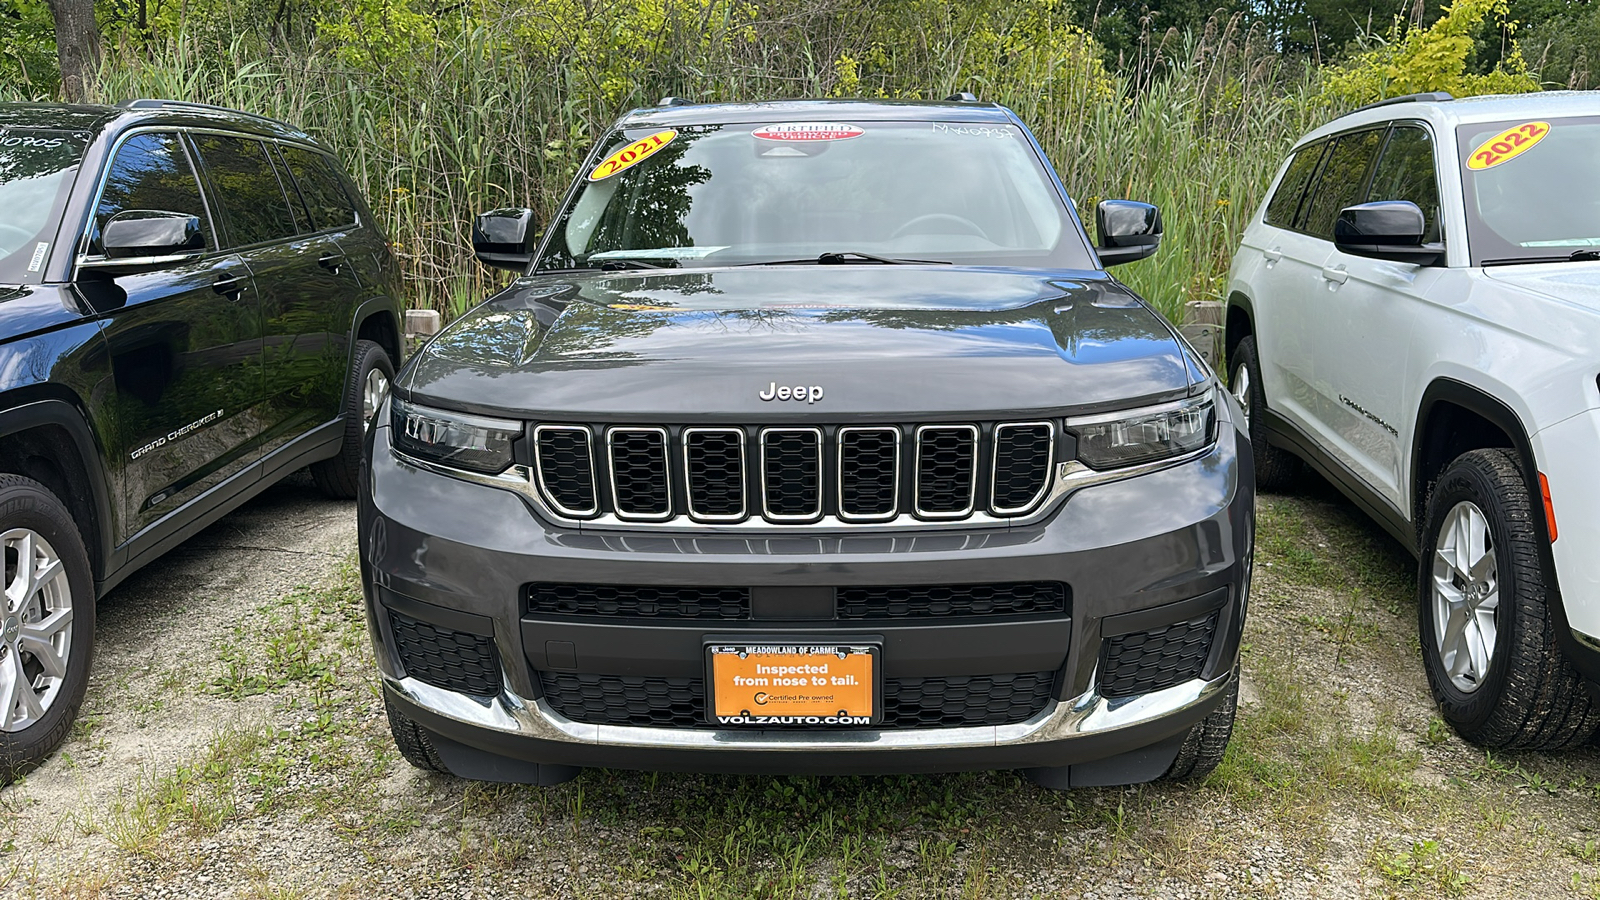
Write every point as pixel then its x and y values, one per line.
pixel 1573 282
pixel 879 340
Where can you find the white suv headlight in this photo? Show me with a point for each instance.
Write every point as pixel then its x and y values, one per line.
pixel 1131 437
pixel 473 443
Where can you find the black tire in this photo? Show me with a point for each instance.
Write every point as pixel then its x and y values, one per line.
pixel 27 504
pixel 413 741
pixel 1530 697
pixel 340 476
pixel 1276 469
pixel 1203 749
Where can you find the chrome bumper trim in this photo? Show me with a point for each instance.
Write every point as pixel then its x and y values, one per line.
pixel 1088 713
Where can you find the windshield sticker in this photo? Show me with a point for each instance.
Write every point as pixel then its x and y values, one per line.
pixel 1507 145
pixel 1002 131
pixel 808 131
pixel 39 251
pixel 631 155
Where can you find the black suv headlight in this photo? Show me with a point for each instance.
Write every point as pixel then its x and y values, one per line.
pixel 1131 437
pixel 474 443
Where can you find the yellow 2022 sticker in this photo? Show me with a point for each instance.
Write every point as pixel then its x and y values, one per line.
pixel 1507 145
pixel 631 155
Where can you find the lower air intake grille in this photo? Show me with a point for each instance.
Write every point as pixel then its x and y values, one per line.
pixel 908 702
pixel 951 601
pixel 453 660
pixel 639 601
pixel 1146 661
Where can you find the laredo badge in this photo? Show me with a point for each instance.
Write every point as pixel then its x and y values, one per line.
pixel 631 155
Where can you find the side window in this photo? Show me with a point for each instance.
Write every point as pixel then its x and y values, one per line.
pixel 1406 172
pixel 1284 206
pixel 1340 182
pixel 319 184
pixel 150 171
pixel 252 200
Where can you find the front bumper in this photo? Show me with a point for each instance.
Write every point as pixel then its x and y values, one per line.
pixel 1137 554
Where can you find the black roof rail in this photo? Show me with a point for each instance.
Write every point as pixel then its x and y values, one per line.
pixel 962 97
pixel 1430 97
pixel 674 101
pixel 152 103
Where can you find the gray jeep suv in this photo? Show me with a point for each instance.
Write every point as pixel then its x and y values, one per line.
pixel 815 438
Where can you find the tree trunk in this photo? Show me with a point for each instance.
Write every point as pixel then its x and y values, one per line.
pixel 77 46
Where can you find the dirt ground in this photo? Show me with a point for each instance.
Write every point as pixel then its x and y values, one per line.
pixel 233 745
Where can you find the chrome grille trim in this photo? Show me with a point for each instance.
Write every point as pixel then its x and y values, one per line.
pixel 994 466
pixel 839 456
pixel 744 477
pixel 538 466
pixel 666 472
pixel 972 473
pixel 766 488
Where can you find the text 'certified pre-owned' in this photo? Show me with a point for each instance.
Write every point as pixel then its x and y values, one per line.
pixel 808 393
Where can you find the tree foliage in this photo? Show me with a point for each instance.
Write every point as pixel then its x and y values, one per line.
pixel 1411 60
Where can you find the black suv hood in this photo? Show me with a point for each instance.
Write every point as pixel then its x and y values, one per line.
pixel 877 339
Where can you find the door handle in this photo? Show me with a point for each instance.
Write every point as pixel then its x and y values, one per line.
pixel 331 262
pixel 1335 274
pixel 230 286
pixel 1273 255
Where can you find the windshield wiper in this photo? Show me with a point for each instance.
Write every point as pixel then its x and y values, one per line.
pixel 847 257
pixel 1588 254
pixel 613 265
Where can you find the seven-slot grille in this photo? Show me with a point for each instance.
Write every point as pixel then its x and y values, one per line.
pixel 794 475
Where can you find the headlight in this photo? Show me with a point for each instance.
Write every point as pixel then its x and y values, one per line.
pixel 1146 435
pixel 457 439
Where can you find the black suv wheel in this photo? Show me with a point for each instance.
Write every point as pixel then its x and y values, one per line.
pixel 1485 614
pixel 1275 469
pixel 367 386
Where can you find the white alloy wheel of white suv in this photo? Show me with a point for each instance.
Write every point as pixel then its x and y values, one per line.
pixel 1415 312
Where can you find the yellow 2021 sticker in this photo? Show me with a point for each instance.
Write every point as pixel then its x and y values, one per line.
pixel 1507 145
pixel 631 155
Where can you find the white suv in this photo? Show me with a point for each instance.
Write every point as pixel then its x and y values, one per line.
pixel 1415 312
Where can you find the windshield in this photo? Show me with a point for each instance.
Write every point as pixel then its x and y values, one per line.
pixel 36 171
pixel 1532 188
pixel 864 193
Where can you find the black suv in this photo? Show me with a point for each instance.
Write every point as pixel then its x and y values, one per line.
pixel 815 438
pixel 194 303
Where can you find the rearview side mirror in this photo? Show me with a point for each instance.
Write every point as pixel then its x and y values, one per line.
pixel 1128 231
pixel 505 238
pixel 1386 229
pixel 144 240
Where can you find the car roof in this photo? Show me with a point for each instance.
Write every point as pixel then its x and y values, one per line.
pixel 856 110
pixel 129 113
pixel 1449 113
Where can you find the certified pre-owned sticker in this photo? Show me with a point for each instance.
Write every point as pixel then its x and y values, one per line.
pixel 631 155
pixel 1507 145
pixel 808 131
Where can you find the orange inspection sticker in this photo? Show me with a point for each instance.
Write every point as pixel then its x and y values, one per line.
pixel 805 684
pixel 1507 145
pixel 631 155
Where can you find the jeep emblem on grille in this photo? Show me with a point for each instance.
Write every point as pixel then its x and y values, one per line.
pixel 799 392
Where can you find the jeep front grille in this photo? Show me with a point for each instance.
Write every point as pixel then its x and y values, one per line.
pixel 795 475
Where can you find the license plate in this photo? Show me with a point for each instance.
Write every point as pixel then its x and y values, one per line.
pixel 807 685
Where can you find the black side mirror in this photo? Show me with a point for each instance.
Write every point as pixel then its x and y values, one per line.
pixel 1129 230
pixel 505 238
pixel 1385 229
pixel 144 240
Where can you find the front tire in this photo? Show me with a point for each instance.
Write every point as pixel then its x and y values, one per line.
pixel 46 624
pixel 371 374
pixel 1207 742
pixel 413 741
pixel 1276 469
pixel 1486 619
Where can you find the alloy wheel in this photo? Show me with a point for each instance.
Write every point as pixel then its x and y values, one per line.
pixel 1466 596
pixel 1241 391
pixel 374 390
pixel 36 628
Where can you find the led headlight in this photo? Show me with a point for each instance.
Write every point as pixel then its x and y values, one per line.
pixel 1154 433
pixel 455 439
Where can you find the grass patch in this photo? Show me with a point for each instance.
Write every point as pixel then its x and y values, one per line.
pixel 1421 868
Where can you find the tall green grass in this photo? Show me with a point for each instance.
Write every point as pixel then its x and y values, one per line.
pixel 487 113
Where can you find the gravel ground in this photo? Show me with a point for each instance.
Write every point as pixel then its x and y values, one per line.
pixel 232 745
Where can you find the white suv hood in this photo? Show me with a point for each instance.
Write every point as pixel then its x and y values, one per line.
pixel 1574 282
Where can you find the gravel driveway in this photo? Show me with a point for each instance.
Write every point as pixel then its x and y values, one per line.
pixel 233 745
